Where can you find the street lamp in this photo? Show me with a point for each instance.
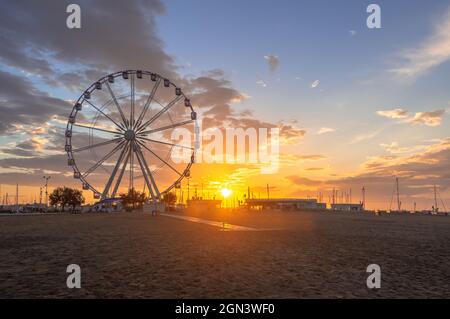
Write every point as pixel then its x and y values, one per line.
pixel 46 178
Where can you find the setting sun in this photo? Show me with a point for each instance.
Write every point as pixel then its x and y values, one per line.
pixel 225 192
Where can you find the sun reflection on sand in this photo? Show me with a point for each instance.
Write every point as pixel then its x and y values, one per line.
pixel 222 225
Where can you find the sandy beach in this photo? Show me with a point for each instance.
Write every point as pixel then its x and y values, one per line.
pixel 290 255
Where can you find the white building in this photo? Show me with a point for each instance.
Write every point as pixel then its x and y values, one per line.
pixel 285 203
pixel 347 207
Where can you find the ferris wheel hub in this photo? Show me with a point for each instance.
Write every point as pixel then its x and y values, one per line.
pixel 130 135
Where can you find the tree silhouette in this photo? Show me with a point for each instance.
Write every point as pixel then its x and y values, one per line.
pixel 169 199
pixel 74 197
pixel 133 199
pixel 65 196
pixel 56 198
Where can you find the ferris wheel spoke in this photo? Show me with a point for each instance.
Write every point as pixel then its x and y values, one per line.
pixel 167 143
pixel 117 104
pixel 147 169
pixel 162 111
pixel 113 174
pixel 96 128
pixel 132 100
pixel 165 127
pixel 147 103
pixel 162 160
pixel 122 172
pixel 96 145
pixel 107 156
pixel 106 115
pixel 146 174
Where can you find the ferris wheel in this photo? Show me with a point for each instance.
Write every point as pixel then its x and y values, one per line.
pixel 119 135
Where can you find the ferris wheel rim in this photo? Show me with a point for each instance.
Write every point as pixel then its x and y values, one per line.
pixel 134 145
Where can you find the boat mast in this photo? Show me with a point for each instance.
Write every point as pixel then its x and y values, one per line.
pixel 436 209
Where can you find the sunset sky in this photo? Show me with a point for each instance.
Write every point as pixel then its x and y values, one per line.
pixel 355 106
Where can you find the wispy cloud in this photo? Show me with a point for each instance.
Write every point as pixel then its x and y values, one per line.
pixel 431 118
pixel 314 169
pixel 432 52
pixel 314 157
pixel 324 130
pixel 261 83
pixel 394 114
pixel 419 171
pixel 273 61
pixel 315 84
pixel 364 137
pixel 395 148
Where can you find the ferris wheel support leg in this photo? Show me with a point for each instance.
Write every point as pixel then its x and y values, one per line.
pixel 122 171
pixel 145 173
pixel 113 175
pixel 158 194
pixel 131 166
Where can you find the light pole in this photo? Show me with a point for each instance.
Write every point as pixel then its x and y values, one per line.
pixel 46 178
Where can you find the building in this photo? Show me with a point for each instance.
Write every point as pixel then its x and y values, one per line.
pixel 107 205
pixel 285 204
pixel 347 207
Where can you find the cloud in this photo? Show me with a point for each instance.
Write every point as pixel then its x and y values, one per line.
pixel 431 53
pixel 33 44
pixel 273 61
pixel 213 90
pixel 303 181
pixel 315 84
pixel 314 157
pixel 261 83
pixel 431 159
pixel 395 148
pixel 365 136
pixel 418 173
pixel 216 96
pixel 433 118
pixel 58 57
pixel 352 33
pixel 289 159
pixel 394 114
pixel 21 104
pixel 324 130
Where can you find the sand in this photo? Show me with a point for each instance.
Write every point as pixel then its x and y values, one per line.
pixel 302 255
